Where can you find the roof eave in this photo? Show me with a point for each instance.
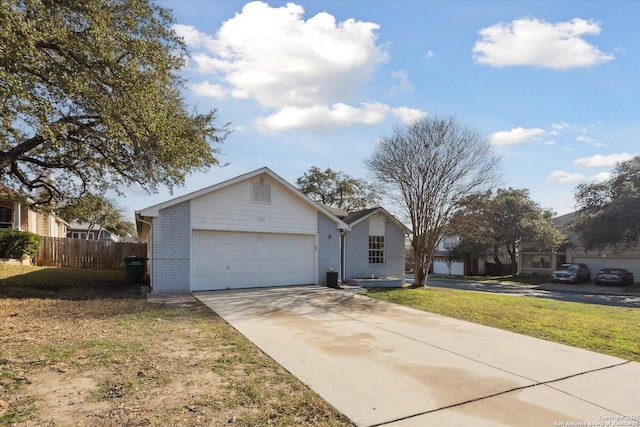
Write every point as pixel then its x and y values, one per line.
pixel 154 211
pixel 406 229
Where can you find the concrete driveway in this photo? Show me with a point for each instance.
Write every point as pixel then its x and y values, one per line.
pixel 384 364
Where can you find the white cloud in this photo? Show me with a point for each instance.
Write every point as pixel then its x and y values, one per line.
pixel 293 66
pixel 603 176
pixel 208 89
pixel 208 65
pixel 590 141
pixel 320 118
pixel 516 136
pixel 403 82
pixel 530 41
pixel 565 177
pixel 429 54
pixel 600 161
pixel 192 37
pixel 408 115
pixel 562 126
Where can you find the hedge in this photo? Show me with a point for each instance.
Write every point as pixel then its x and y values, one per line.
pixel 18 244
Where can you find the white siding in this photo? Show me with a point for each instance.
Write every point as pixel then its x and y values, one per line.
pixel 32 222
pixel 232 209
pixel 376 225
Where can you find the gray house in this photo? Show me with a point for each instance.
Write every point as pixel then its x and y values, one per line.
pixel 258 230
pixel 374 245
pixel 90 232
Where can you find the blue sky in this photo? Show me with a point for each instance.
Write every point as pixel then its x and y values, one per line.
pixel 553 85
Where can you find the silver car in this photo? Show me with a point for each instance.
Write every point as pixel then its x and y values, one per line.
pixel 572 273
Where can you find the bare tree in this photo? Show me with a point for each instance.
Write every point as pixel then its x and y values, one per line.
pixel 429 168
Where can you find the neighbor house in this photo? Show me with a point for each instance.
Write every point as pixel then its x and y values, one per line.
pixel 15 214
pixel 443 265
pixel 258 230
pixel 532 261
pixel 87 232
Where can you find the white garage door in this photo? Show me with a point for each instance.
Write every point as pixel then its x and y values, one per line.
pixel 228 260
pixel 440 267
pixel 597 263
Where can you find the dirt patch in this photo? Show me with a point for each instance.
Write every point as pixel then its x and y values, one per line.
pixel 126 361
pixel 64 395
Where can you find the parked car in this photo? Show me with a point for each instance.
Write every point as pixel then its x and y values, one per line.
pixel 614 276
pixel 572 273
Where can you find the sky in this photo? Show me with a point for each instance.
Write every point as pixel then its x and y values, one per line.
pixel 554 86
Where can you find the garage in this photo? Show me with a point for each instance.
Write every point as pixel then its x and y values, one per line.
pixel 230 259
pixel 595 264
pixel 254 230
pixel 440 266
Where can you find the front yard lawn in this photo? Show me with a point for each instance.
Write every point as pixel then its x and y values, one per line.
pixel 609 330
pixel 79 347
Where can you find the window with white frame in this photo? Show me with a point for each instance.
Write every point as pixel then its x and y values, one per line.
pixel 449 242
pixel 376 249
pixel 540 262
pixel 261 192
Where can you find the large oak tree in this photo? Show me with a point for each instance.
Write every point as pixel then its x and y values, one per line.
pixel 609 214
pixel 429 168
pixel 91 93
pixel 506 220
pixel 337 189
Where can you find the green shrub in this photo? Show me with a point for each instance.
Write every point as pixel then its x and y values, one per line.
pixel 18 244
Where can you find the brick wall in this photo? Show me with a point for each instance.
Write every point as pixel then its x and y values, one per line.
pixel 171 249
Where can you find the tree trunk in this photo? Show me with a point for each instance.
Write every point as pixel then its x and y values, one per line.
pixel 496 259
pixel 420 273
pixel 89 229
pixel 514 262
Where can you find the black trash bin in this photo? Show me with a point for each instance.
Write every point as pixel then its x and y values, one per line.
pixel 134 269
pixel 332 279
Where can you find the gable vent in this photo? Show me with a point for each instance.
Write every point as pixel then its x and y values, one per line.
pixel 261 192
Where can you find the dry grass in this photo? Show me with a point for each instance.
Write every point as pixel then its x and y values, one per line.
pixel 81 348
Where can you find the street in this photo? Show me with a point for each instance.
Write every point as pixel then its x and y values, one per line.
pixel 590 294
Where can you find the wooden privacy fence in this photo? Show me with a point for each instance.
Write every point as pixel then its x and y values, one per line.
pixel 92 254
